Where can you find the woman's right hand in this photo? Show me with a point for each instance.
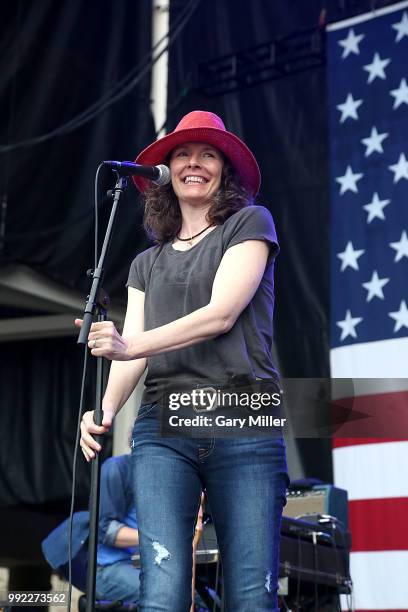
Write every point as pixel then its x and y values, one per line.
pixel 87 443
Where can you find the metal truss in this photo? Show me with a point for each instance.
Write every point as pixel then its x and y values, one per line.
pixel 278 58
pixel 269 61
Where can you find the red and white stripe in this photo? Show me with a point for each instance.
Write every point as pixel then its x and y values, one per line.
pixel 374 471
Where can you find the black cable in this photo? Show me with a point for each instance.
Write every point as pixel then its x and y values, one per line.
pixel 96 215
pixel 316 585
pixel 78 122
pixel 95 105
pixel 334 523
pixel 334 545
pixel 109 99
pixel 51 230
pixel 80 412
pixel 298 576
pixel 81 409
pixel 178 26
pixel 285 604
pixel 10 125
pixel 71 512
pixel 62 226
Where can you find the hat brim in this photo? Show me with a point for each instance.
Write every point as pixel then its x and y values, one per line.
pixel 233 148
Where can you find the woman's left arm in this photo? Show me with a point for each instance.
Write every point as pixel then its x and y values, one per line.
pixel 235 283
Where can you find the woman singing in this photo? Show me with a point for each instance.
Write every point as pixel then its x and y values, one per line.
pixel 199 314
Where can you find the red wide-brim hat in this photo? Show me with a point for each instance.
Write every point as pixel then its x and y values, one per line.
pixel 202 126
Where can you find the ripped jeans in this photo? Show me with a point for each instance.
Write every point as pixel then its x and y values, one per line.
pixel 245 479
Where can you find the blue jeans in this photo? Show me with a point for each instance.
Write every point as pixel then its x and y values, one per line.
pixel 118 581
pixel 245 480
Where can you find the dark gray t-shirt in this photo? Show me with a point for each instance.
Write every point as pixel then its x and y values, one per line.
pixel 178 282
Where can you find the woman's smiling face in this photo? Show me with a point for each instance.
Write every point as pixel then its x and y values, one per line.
pixel 196 170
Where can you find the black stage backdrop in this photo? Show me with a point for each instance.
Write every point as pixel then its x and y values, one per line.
pixel 58 58
pixel 40 383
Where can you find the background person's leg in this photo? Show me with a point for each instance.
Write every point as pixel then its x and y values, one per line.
pixel 118 581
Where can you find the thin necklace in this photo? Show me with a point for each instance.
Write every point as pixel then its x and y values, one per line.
pixel 190 240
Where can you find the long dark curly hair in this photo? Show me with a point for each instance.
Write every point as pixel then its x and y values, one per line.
pixel 162 217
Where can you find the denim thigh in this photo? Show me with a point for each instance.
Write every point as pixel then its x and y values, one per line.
pixel 245 481
pixel 167 493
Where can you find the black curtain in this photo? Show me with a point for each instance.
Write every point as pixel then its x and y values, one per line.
pixel 40 384
pixel 57 59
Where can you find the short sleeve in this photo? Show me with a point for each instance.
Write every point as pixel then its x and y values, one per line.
pixel 251 223
pixel 136 276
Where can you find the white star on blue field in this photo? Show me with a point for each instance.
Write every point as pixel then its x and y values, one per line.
pixel 368 116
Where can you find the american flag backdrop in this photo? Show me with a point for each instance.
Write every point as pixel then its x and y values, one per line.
pixel 368 114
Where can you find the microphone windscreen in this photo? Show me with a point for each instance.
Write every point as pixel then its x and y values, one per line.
pixel 165 175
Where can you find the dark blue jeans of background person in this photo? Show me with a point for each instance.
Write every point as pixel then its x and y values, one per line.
pixel 245 479
pixel 118 581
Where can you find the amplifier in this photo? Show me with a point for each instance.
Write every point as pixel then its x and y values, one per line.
pixel 315 553
pixel 319 499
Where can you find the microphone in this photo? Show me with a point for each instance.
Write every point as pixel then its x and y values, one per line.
pixel 157 174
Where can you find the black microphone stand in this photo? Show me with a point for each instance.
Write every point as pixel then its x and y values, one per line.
pixel 95 306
